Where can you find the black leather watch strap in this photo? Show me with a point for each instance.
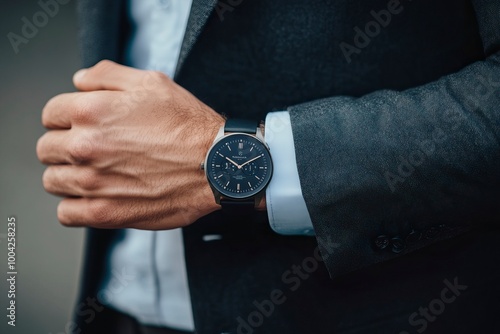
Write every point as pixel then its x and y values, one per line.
pixel 238 208
pixel 240 125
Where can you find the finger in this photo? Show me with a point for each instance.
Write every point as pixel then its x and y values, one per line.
pixel 78 212
pixel 65 111
pixel 57 112
pixel 52 147
pixel 75 146
pixel 74 181
pixel 108 75
pixel 117 213
pixel 98 212
pixel 87 181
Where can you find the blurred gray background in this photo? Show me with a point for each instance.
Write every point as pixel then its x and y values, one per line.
pixel 48 255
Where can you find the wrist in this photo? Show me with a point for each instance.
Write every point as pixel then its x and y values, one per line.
pixel 204 133
pixel 209 204
pixel 238 166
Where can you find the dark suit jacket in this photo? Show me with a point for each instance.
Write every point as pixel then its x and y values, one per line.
pixel 397 136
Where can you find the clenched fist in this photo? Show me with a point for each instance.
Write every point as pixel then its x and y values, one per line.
pixel 125 151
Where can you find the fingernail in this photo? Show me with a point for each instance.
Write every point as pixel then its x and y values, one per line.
pixel 79 75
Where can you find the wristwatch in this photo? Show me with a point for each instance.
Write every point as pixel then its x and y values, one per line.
pixel 238 166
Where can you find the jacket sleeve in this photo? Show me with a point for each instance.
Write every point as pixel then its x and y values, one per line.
pixel 390 172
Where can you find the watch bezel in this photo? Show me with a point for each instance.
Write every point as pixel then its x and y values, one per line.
pixel 219 192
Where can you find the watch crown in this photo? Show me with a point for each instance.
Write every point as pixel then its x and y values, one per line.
pixel 202 166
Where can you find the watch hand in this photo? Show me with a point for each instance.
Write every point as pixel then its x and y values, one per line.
pixel 249 161
pixel 234 163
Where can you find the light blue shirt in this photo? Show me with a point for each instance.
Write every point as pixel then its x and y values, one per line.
pixel 159 293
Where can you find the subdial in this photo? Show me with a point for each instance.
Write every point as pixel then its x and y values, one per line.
pixel 229 168
pixel 250 169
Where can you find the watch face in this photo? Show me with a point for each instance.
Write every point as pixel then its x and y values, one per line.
pixel 239 166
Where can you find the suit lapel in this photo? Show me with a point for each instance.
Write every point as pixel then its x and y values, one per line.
pixel 101 30
pixel 200 11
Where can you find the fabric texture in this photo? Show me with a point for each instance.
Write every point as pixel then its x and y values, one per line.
pixel 404 160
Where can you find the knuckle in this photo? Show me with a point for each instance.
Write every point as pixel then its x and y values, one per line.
pixel 158 76
pixel 87 109
pixel 153 79
pixel 87 181
pixel 82 149
pixel 102 67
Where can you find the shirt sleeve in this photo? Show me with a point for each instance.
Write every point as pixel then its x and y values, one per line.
pixel 286 207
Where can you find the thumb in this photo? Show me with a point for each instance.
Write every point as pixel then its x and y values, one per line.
pixel 108 75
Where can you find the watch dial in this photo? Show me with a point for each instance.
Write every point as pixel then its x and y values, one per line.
pixel 239 166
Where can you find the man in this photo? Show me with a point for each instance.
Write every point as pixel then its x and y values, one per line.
pixel 393 109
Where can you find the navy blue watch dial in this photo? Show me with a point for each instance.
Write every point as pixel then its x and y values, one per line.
pixel 239 166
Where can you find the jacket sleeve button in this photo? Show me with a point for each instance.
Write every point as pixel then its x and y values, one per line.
pixel 431 233
pixel 381 242
pixel 398 245
pixel 413 237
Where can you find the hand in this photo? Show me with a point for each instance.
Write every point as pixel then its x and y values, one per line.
pixel 126 150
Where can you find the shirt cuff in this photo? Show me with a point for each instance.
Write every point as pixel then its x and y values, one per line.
pixel 286 206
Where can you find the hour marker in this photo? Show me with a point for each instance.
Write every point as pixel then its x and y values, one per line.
pixel 256 177
pixel 221 155
pixel 240 146
pixel 228 147
pixel 220 176
pixel 218 166
pixel 228 183
pixel 249 185
pixel 238 187
pixel 251 149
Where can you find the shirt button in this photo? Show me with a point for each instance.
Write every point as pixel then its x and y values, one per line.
pixel 381 242
pixel 413 236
